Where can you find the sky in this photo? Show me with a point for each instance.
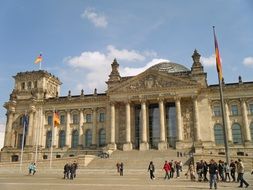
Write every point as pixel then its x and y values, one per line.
pixel 79 39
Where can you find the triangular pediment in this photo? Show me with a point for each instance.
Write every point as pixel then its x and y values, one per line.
pixel 154 80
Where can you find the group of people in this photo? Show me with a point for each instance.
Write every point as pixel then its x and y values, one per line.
pixel 32 168
pixel 220 171
pixel 169 167
pixel 70 170
pixel 120 168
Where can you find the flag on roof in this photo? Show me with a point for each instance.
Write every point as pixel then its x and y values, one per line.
pixel 38 59
pixel 217 54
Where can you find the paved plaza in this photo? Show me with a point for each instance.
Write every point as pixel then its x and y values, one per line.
pixel 94 179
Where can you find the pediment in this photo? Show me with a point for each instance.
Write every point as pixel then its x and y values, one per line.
pixel 153 80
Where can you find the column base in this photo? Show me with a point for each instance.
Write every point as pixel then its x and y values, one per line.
pixel 127 146
pixel 162 146
pixel 248 144
pixel 112 146
pixel 144 146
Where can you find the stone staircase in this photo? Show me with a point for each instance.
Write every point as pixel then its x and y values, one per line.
pixel 136 159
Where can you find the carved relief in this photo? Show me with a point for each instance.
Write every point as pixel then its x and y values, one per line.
pixel 152 81
pixel 187 114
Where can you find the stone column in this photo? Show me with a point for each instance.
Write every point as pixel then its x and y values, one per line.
pixel 29 140
pixel 162 144
pixel 112 144
pixel 245 123
pixel 179 120
pixel 68 132
pixel 196 120
pixel 94 129
pixel 144 144
pixel 34 128
pixel 80 130
pixel 128 145
pixel 8 129
pixel 230 140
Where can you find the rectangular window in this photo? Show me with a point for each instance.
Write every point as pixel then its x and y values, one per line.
pixel 35 84
pixel 216 111
pixel 102 117
pixel 29 85
pixel 234 110
pixel 75 119
pixel 62 119
pixel 88 118
pixel 49 120
pixel 251 110
pixel 22 86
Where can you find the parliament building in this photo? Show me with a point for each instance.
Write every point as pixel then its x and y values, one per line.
pixel 168 106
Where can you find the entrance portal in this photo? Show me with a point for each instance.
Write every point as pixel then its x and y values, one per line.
pixel 171 124
pixel 154 125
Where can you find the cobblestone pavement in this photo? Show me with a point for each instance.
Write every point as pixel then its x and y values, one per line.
pixel 102 180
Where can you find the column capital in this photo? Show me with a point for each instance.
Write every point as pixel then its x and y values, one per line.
pixel 194 97
pixel 160 99
pixel 177 98
pixel 95 109
pixel 243 100
pixel 112 103
pixel 67 110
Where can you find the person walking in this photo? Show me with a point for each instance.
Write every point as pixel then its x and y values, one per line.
pixel 30 167
pixel 151 169
pixel 66 171
pixel 75 166
pixel 232 169
pixel 167 169
pixel 227 170
pixel 34 168
pixel 213 171
pixel 240 171
pixel 121 168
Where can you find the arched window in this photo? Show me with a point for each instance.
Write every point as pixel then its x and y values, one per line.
pixel 251 132
pixel 62 138
pixel 237 134
pixel 75 136
pixel 218 134
pixel 88 138
pixel 102 137
pixel 48 139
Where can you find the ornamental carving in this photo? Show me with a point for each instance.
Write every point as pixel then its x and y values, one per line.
pixel 153 82
pixel 187 115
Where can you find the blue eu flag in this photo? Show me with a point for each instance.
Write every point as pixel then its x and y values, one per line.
pixel 25 122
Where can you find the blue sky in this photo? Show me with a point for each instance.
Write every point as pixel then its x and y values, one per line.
pixel 80 38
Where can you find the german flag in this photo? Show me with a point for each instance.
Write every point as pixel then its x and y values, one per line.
pixel 38 59
pixel 56 119
pixel 217 53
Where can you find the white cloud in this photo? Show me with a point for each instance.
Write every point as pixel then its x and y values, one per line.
pixel 1 139
pixel 248 61
pixel 209 61
pixel 128 55
pixel 130 71
pixel 99 20
pixel 2 128
pixel 97 66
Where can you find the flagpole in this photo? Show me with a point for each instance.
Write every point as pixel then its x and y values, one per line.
pixel 223 122
pixel 22 146
pixel 52 141
pixel 220 79
pixel 40 65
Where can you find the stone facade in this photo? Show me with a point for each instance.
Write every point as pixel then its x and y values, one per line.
pixel 166 106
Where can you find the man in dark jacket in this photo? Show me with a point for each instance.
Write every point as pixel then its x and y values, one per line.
pixel 66 171
pixel 213 170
